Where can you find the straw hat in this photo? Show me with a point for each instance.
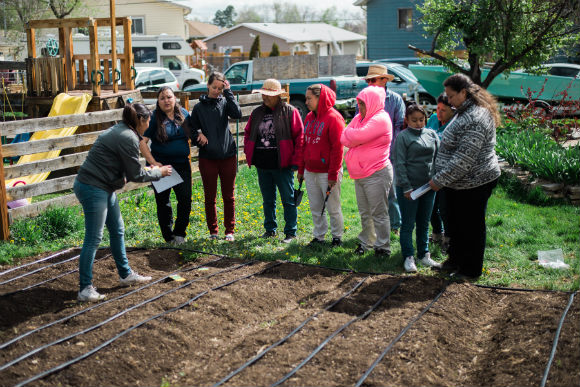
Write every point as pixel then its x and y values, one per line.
pixel 378 70
pixel 270 87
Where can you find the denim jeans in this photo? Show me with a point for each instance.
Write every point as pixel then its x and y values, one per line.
pixel 439 216
pixel 101 208
pixel 415 212
pixel 269 179
pixel 394 208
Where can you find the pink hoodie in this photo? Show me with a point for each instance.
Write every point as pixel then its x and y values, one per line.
pixel 368 139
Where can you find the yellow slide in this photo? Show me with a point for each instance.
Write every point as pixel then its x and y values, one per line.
pixel 63 104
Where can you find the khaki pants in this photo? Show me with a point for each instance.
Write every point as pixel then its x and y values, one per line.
pixel 316 184
pixel 372 197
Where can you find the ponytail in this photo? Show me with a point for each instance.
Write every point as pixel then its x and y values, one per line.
pixel 133 112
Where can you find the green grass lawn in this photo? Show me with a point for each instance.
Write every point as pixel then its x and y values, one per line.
pixel 517 229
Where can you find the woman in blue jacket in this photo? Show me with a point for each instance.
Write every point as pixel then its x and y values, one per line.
pixel 169 136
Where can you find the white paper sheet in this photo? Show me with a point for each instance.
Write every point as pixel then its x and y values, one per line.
pixel 167 182
pixel 422 190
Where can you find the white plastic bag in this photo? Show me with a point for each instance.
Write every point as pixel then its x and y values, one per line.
pixel 553 259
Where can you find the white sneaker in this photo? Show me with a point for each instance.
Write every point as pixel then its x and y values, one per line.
pixel 134 278
pixel 410 265
pixel 178 240
pixel 427 261
pixel 89 293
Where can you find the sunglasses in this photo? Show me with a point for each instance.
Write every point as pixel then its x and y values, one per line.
pixel 373 80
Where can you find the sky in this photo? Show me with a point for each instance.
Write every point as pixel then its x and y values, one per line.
pixel 205 10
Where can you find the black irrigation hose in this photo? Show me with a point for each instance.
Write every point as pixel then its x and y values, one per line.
pixel 336 332
pixel 38 261
pixel 396 339
pixel 284 339
pixel 70 316
pixel 115 316
pixel 49 280
pixel 106 343
pixel 556 338
pixel 39 269
pixel 131 249
pixel 522 289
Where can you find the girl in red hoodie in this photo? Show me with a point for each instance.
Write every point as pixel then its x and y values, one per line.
pixel 321 164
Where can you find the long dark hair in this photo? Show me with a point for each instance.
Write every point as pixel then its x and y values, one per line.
pixel 478 94
pixel 215 75
pixel 133 112
pixel 412 108
pixel 161 116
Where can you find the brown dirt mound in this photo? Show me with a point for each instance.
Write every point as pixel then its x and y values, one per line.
pixel 470 336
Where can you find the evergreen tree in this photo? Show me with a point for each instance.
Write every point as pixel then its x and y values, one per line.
pixel 275 50
pixel 255 49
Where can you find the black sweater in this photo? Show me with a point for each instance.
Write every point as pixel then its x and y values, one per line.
pixel 211 116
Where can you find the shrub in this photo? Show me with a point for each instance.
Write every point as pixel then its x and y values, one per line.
pixel 275 50
pixel 530 146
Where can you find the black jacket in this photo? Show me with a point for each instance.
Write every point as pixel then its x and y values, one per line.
pixel 211 116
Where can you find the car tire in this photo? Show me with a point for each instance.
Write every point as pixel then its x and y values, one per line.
pixel 301 106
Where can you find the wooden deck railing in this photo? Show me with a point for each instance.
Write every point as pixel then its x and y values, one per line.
pixel 68 162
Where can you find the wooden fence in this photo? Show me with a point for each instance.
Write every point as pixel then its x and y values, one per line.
pixel 71 161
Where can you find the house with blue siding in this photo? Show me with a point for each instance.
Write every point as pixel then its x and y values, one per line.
pixel 391 26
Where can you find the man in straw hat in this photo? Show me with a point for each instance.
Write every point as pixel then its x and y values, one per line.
pixel 273 144
pixel 378 75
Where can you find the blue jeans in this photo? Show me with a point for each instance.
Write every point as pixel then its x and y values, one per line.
pixel 394 210
pixel 415 212
pixel 269 179
pixel 100 208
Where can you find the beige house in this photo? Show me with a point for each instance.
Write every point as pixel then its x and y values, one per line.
pixel 201 30
pixel 149 17
pixel 292 38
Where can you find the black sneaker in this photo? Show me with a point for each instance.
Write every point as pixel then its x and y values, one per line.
pixel 315 242
pixel 269 234
pixel 359 250
pixel 289 238
pixel 336 242
pixel 382 253
pixel 446 267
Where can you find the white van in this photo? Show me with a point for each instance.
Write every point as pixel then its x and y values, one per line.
pixel 151 51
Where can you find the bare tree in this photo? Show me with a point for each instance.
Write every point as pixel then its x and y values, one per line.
pixel 62 8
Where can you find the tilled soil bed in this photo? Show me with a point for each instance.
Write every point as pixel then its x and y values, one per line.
pixel 201 331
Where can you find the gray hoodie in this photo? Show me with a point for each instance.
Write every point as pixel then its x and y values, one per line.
pixel 114 159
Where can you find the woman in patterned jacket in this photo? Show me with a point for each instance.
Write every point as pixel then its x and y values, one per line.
pixel 467 169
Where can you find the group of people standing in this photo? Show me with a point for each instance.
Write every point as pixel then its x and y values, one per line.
pixel 455 157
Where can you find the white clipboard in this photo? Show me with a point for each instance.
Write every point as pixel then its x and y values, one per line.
pixel 167 182
pixel 422 190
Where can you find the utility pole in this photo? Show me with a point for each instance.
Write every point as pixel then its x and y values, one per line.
pixel 4 12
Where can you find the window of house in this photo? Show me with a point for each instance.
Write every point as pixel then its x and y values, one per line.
pixel 138 25
pixel 405 18
pixel 171 46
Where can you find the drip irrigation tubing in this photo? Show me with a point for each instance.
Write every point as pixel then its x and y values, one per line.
pixel 284 339
pixel 336 332
pixel 70 316
pixel 57 254
pixel 396 339
pixel 523 289
pixel 143 322
pixel 556 338
pixel 48 280
pixel 39 269
pixel 58 276
pixel 115 316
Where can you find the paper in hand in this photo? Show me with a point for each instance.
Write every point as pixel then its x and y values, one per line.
pixel 422 190
pixel 167 182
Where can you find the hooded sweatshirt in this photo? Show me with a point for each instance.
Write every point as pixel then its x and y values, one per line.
pixel 211 116
pixel 322 130
pixel 368 139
